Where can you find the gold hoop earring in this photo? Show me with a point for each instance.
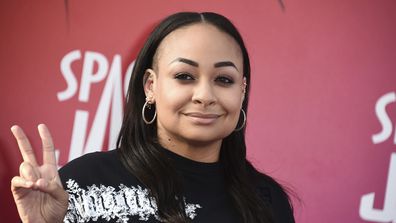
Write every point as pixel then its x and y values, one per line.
pixel 244 122
pixel 148 105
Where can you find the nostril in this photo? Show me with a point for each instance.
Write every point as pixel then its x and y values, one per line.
pixel 204 102
pixel 204 94
pixel 197 101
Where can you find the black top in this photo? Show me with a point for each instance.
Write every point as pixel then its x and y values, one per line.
pixel 101 189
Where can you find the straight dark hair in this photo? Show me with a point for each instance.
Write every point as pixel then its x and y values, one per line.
pixel 142 155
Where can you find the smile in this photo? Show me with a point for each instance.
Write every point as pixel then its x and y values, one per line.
pixel 202 118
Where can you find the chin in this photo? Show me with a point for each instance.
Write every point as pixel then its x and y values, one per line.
pixel 202 138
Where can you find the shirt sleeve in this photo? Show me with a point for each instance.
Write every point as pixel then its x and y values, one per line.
pixel 281 207
pixel 277 199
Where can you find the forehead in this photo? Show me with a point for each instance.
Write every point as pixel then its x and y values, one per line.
pixel 201 42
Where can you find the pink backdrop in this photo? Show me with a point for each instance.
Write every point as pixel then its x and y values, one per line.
pixel 323 100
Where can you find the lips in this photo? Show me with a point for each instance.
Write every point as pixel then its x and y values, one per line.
pixel 202 118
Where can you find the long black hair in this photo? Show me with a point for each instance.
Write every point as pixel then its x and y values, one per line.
pixel 140 151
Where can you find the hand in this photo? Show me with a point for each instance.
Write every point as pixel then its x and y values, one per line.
pixel 38 192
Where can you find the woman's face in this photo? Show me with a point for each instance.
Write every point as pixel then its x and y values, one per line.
pixel 197 85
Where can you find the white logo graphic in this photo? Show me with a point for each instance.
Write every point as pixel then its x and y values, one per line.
pixel 388 213
pixel 110 104
pixel 108 203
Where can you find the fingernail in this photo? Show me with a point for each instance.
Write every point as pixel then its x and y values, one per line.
pixel 28 183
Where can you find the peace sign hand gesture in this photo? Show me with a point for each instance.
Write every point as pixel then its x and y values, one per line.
pixel 38 191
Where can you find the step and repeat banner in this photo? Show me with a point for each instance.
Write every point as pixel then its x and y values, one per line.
pixel 322 113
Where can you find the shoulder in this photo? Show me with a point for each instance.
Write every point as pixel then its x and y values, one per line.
pixel 100 186
pixel 275 196
pixel 95 168
pixel 89 162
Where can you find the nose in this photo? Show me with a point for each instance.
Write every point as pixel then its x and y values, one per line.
pixel 204 94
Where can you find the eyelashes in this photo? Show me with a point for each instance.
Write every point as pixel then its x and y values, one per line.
pixel 225 80
pixel 184 77
pixel 220 79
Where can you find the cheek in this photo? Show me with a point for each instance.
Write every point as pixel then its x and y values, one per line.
pixel 232 101
pixel 170 97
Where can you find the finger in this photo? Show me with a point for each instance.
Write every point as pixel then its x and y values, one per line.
pixel 53 188
pixel 28 172
pixel 19 182
pixel 48 145
pixel 24 145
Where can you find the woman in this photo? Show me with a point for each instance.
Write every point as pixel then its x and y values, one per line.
pixel 181 153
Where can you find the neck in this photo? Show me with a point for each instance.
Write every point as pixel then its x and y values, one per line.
pixel 205 152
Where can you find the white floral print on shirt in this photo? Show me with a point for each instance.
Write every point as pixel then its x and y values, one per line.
pixel 108 203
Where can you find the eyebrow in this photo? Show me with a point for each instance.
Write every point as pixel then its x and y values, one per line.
pixel 195 64
pixel 225 64
pixel 187 61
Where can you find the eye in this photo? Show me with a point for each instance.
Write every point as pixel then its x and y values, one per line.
pixel 184 77
pixel 224 80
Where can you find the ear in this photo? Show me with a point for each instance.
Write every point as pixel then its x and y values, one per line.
pixel 149 82
pixel 244 85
